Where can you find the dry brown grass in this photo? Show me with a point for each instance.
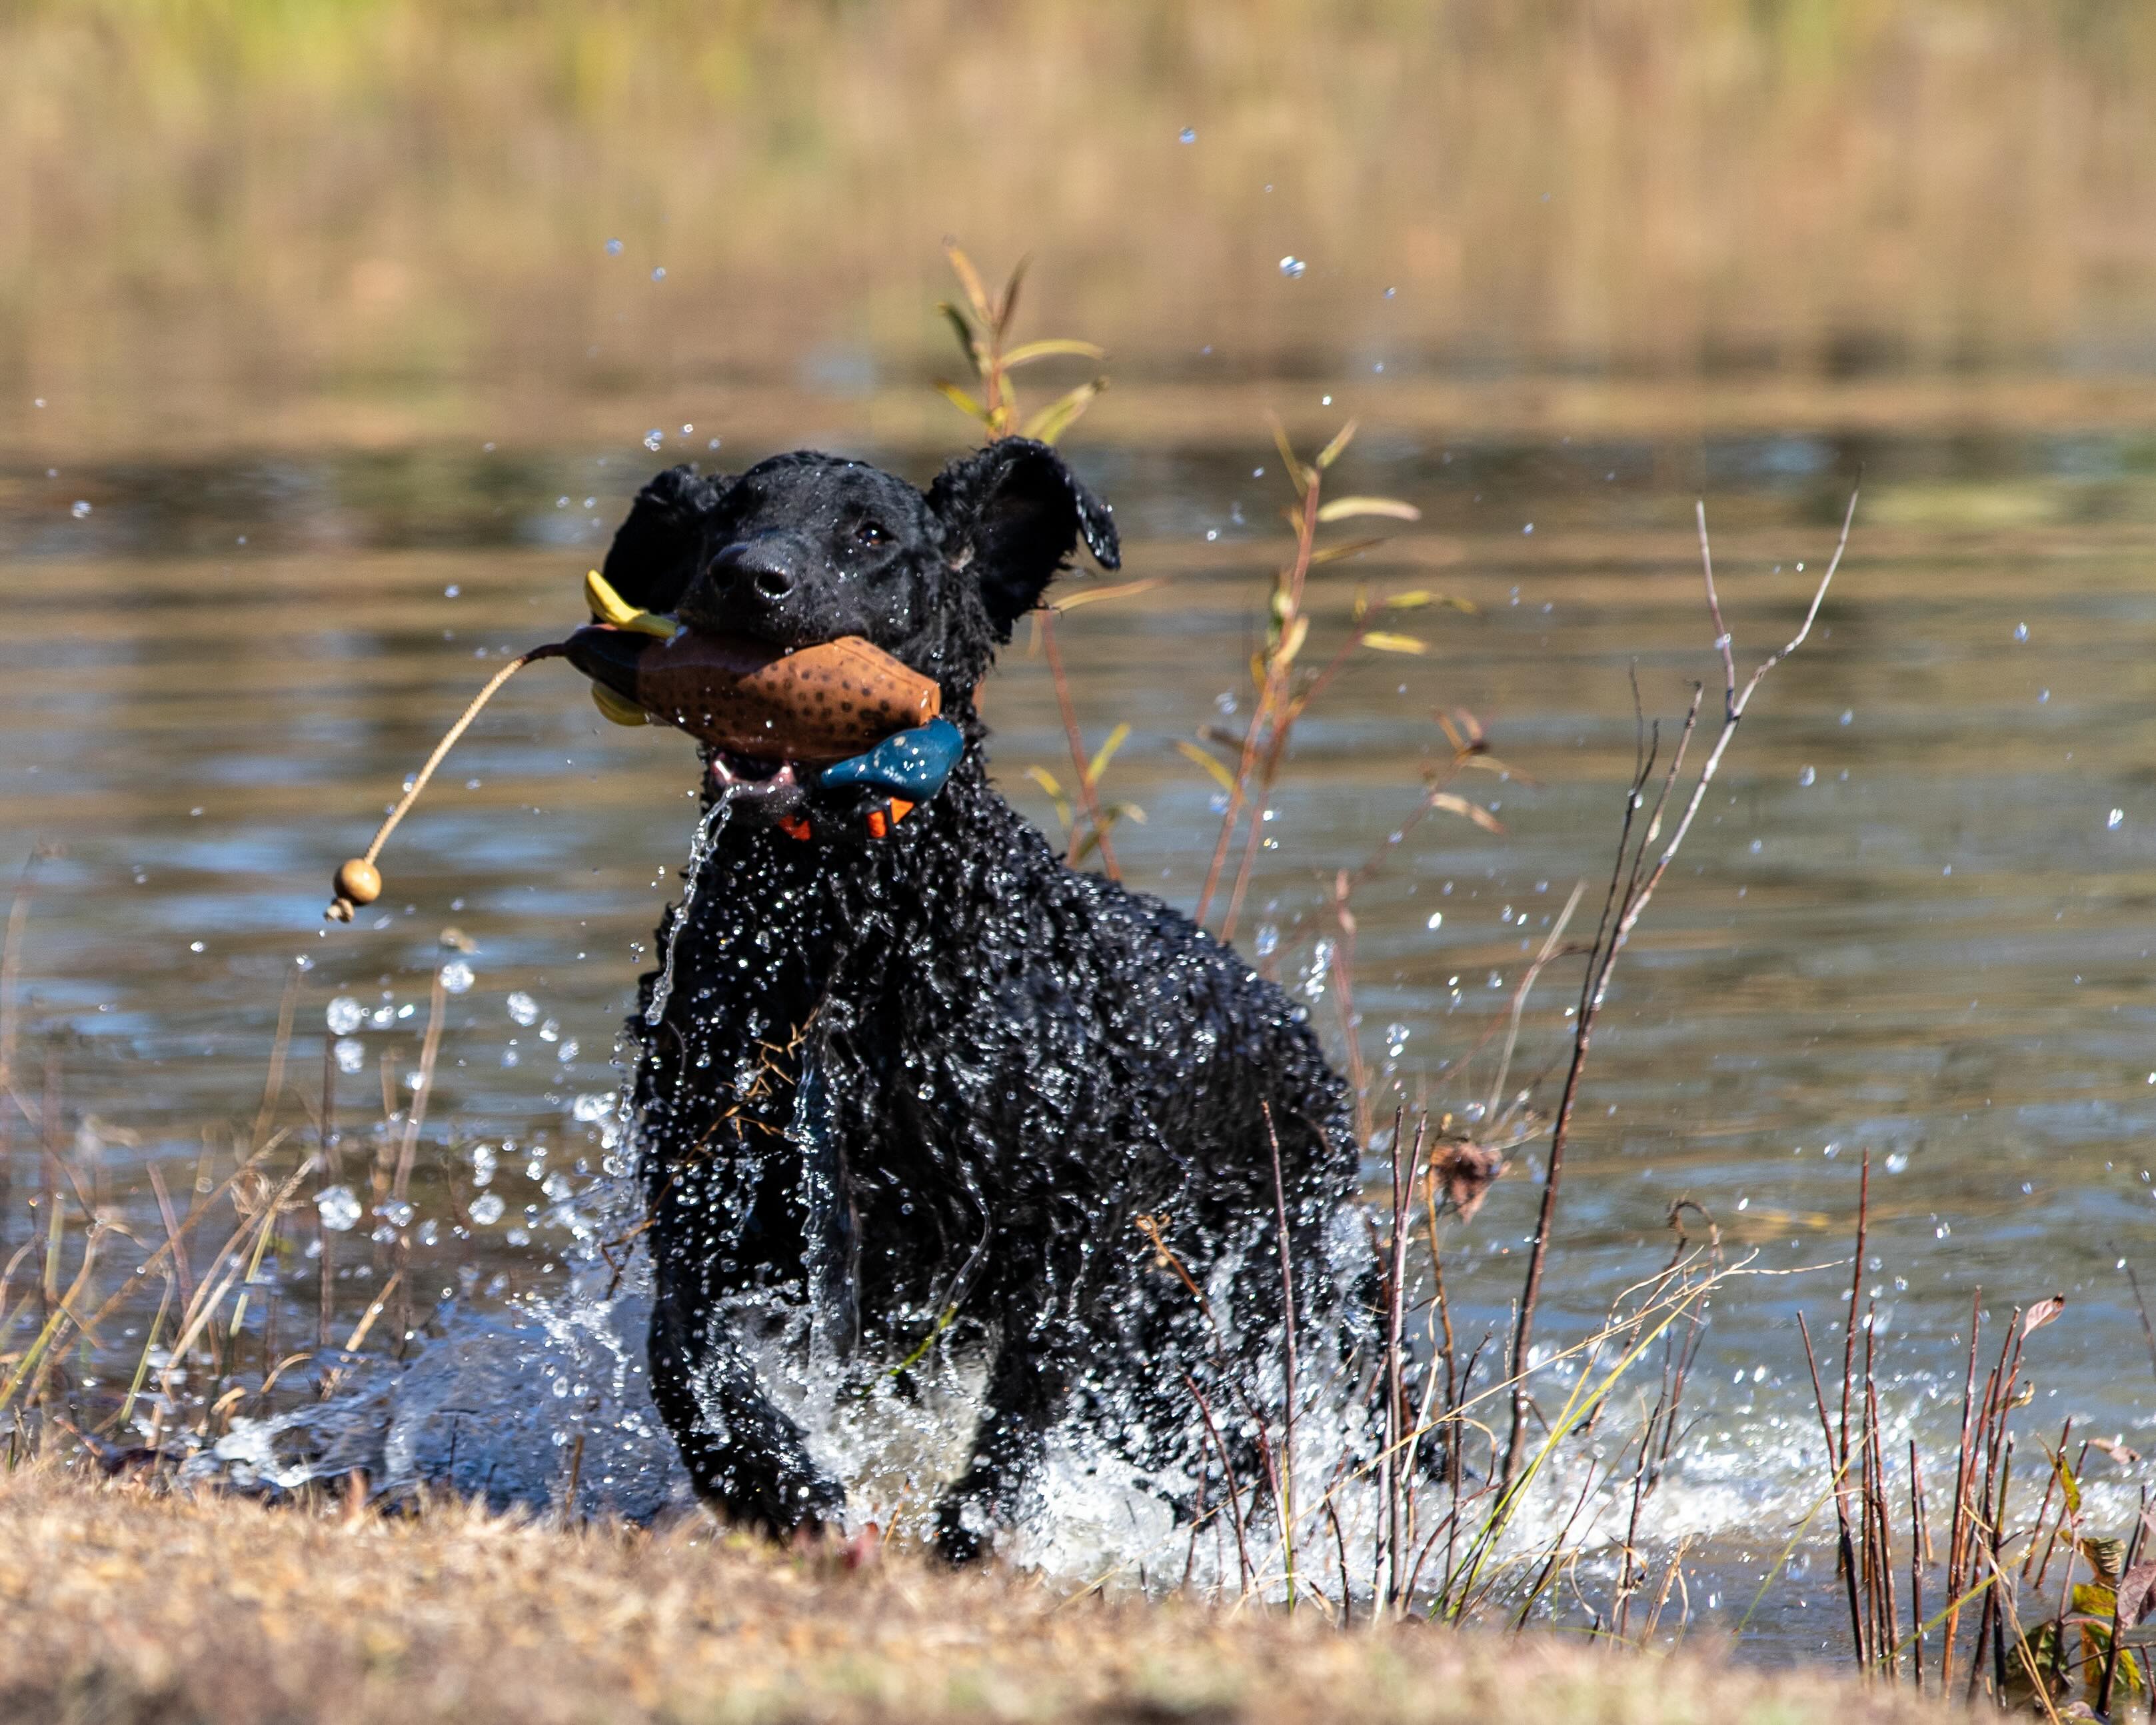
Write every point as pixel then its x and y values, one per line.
pixel 121 1606
pixel 244 198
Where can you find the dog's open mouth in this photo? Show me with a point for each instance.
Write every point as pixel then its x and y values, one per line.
pixel 729 767
pixel 763 789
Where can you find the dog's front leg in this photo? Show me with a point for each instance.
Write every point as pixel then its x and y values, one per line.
pixel 1027 1390
pixel 743 1454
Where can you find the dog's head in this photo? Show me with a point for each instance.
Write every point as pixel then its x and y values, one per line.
pixel 804 548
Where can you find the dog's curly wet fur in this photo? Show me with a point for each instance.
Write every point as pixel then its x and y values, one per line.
pixel 925 1085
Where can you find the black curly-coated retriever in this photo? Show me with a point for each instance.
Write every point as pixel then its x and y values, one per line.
pixel 915 1078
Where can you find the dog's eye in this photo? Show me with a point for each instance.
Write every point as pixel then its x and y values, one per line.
pixel 871 534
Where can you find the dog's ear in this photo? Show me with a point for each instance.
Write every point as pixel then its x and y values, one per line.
pixel 655 551
pixel 1012 514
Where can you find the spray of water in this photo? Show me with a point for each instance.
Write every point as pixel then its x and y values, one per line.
pixel 708 830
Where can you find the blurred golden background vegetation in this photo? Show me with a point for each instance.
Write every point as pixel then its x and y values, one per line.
pixel 404 206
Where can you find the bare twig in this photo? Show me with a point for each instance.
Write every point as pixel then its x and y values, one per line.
pixel 1632 884
pixel 1088 793
pixel 2141 1306
pixel 415 1114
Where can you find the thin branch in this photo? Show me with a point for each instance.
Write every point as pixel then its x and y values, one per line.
pixel 1628 895
pixel 1723 643
pixel 1088 793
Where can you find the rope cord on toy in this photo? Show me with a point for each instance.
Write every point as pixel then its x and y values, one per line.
pixel 359 881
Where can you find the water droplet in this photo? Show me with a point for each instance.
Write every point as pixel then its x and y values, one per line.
pixel 2114 817
pixel 338 1208
pixel 1436 920
pixel 1189 135
pixel 659 273
pixel 2021 631
pixel 1292 267
pixel 653 439
pixel 345 1015
pixel 1848 715
pixel 196 945
pixel 522 1008
pixel 613 250
pixel 79 509
pixel 1529 528
pixel 456 976
pixel 1808 777
pixel 350 1053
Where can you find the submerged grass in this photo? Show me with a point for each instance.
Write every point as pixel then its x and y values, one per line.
pixel 127 1606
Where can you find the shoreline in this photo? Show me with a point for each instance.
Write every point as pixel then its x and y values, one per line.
pixel 125 1605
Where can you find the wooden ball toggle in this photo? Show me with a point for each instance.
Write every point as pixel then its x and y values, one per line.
pixel 358 882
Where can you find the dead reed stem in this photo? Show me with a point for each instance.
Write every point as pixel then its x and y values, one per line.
pixel 1082 766
pixel 415 1113
pixel 1632 887
pixel 1846 1552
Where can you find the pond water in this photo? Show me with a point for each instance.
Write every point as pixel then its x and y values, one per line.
pixel 1912 921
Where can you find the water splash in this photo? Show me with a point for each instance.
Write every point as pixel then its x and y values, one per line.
pixel 708 830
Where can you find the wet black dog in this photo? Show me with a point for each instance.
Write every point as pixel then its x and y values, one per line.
pixel 914 1078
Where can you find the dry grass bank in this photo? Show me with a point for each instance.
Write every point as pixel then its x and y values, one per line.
pixel 120 1606
pixel 366 198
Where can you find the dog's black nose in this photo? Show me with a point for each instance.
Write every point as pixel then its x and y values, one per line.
pixel 764 565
